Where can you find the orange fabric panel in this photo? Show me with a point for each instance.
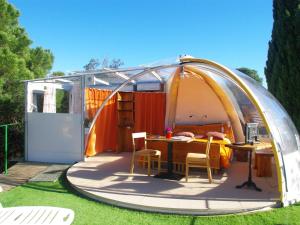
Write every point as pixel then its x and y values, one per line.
pixel 103 135
pixel 150 110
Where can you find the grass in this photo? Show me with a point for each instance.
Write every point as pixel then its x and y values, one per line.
pixel 90 212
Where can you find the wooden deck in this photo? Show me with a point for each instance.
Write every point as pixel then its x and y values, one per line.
pixel 105 178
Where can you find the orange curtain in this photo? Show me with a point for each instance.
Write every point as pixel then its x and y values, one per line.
pixel 103 135
pixel 150 110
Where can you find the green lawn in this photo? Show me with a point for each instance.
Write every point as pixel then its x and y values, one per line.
pixel 91 212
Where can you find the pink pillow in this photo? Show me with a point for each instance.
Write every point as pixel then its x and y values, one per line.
pixel 186 134
pixel 200 136
pixel 216 135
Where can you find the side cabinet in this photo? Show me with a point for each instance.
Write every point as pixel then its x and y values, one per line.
pixel 125 112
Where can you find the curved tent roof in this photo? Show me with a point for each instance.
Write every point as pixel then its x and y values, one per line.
pixel 237 91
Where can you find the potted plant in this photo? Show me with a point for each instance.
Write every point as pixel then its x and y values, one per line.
pixel 169 132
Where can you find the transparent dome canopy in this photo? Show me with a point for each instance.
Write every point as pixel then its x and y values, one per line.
pixel 248 101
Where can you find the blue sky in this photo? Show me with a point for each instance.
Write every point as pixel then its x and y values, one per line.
pixel 234 33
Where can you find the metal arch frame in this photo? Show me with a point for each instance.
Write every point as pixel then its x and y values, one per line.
pixel 250 95
pixel 119 74
pixel 91 72
pixel 153 72
pixel 100 81
pixel 77 74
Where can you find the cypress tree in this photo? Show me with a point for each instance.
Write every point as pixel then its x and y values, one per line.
pixel 283 65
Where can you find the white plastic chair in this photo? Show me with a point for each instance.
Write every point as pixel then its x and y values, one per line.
pixel 36 215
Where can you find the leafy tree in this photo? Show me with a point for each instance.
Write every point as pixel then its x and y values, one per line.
pixel 283 65
pixel 251 73
pixel 106 63
pixel 92 65
pixel 17 62
pixel 57 74
pixel 116 63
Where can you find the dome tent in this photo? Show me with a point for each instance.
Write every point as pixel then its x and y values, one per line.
pixel 278 126
pixel 198 91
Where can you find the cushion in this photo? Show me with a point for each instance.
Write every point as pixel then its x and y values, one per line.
pixel 200 136
pixel 216 135
pixel 186 134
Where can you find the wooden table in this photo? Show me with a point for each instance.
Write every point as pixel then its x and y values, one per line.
pixel 169 174
pixel 249 148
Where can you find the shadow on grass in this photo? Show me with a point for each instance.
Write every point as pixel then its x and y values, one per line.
pixel 193 220
pixel 40 187
pixel 48 186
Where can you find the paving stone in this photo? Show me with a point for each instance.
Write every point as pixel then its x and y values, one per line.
pixel 20 173
pixel 23 172
pixel 51 174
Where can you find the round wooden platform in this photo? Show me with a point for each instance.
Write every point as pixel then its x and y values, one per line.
pixel 105 178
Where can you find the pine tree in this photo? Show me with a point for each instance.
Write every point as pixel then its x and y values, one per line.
pixel 18 61
pixel 283 65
